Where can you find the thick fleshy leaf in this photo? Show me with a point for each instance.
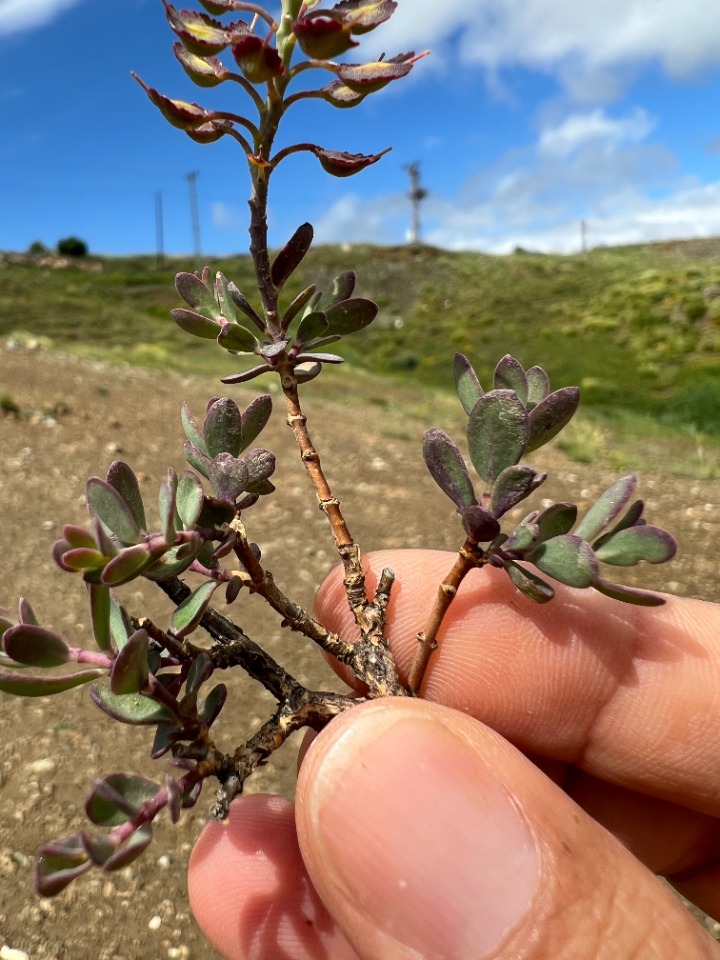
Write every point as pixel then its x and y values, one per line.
pixel 632 517
pixel 607 506
pixel 121 628
pixel 191 429
pixel 296 306
pixel 467 384
pixel 549 417
pixel 321 36
pixel 229 476
pixel 479 524
pixel 122 478
pixel 105 503
pixel 227 305
pixel 258 61
pixel 349 316
pixel 244 305
pixel 568 559
pixel 447 468
pixel 342 288
pixel 254 418
pixel 340 95
pixel 247 374
pixel 523 538
pixel 127 565
pixel 557 520
pixel 311 327
pixel 190 499
pixel 510 375
pixel 538 386
pixel 209 132
pixel 58 864
pixel 641 598
pixel 26 614
pixel 340 164
pixel 173 563
pixel 80 559
pixel 179 113
pixel 130 672
pixel 196 459
pixel 187 616
pixel 513 485
pixel 130 850
pixel 365 15
pixel 198 295
pixel 99 849
pixel 271 350
pixel 630 546
pixel 223 428
pixel 201 668
pixel 166 736
pixel 204 71
pixel 79 537
pixel 260 465
pixel 166 507
pixel 25 686
pixel 201 34
pixel 35 647
pixel 211 706
pixel 369 77
pixel 196 324
pixel 291 255
pixel 305 372
pixel 319 358
pixel 118 798
pixel 132 708
pixel 529 583
pixel 498 431
pixel 233 336
pixel 100 615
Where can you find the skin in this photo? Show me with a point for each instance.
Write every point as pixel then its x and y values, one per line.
pixel 562 756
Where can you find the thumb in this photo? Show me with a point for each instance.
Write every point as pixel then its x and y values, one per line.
pixel 428 835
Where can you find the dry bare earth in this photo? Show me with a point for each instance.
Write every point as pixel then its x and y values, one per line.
pixel 51 748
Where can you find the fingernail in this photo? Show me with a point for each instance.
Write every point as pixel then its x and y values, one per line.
pixel 418 835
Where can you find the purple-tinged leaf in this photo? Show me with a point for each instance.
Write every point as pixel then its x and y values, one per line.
pixel 527 582
pixel 172 564
pixel 641 598
pixel 296 306
pixel 228 307
pixel 234 586
pixel 196 459
pixel 100 605
pixel 6 621
pixel 237 338
pixel 368 77
pixel 342 288
pixel 166 507
pixel 510 375
pixel 210 132
pixel 117 798
pixel 180 113
pixel 350 316
pixel 82 559
pixel 26 614
pixel 523 538
pixel 201 669
pixel 322 36
pixel 228 476
pixel 204 71
pixel 447 468
pixel 129 673
pixel 291 255
pixel 58 864
pixel 312 326
pixel 497 433
pixel 132 708
pixel 630 546
pixel 191 429
pixel 196 293
pixel 107 543
pixel 201 34
pixel 271 350
pixel 174 794
pixel 258 61
pixel 632 517
pixel 254 418
pixel 538 386
pixel 568 559
pixel 76 536
pixel 247 374
pixel 127 565
pixel 24 686
pixel 341 164
pixel 223 429
pixel 99 849
pixel 607 506
pixel 190 498
pixel 105 503
pixel 130 850
pixel 319 358
pixel 122 478
pixel 189 614
pixel 166 736
pixel 260 465
pixel 479 524
pixel 514 484
pixel 196 324
pixel 217 7
pixel 244 305
pixel 365 15
pixel 340 95
pixel 549 417
pixel 211 706
pixel 34 646
pixel 557 520
pixel 191 795
pixel 305 372
pixel 467 384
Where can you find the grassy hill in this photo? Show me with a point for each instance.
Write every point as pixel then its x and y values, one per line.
pixel 638 328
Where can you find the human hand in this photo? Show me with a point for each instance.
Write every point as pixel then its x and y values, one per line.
pixel 419 831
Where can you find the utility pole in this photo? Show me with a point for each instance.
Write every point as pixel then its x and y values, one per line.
pixel 416 196
pixel 583 236
pixel 195 217
pixel 159 231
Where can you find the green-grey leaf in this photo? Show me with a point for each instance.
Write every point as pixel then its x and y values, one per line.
pixel 607 506
pixel 233 336
pixel 513 485
pixel 342 287
pixel 105 503
pixel 510 375
pixel 223 429
pixel 254 418
pixel 568 559
pixel 529 583
pixel 538 386
pixel 630 546
pixel 123 479
pixel 192 431
pixel 349 316
pixel 224 298
pixel 641 598
pixel 127 565
pixel 118 798
pixel 296 306
pixel 24 686
pixel 196 324
pixel 549 417
pixel 197 295
pixel 131 849
pixel 556 520
pixel 58 864
pixel 100 606
pixel 190 498
pixel 447 468
pixel 129 672
pixel 169 565
pixel 132 708
pixel 35 646
pixel 497 433
pixel 313 326
pixel 187 616
pixel 467 384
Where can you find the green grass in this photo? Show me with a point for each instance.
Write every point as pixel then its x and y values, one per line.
pixel 638 328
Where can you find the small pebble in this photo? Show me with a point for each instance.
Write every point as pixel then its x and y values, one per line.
pixel 164 861
pixel 155 923
pixel 10 953
pixel 47 765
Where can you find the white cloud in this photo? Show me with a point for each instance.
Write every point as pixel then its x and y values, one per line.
pixel 18 15
pixel 227 217
pixel 580 129
pixel 592 46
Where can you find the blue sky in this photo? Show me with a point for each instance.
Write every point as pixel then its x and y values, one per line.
pixel 528 117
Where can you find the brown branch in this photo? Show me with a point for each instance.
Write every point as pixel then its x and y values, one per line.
pixel 469 556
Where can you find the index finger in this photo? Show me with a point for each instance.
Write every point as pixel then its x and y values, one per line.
pixel 630 695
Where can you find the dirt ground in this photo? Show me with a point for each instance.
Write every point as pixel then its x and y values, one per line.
pixel 74 418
